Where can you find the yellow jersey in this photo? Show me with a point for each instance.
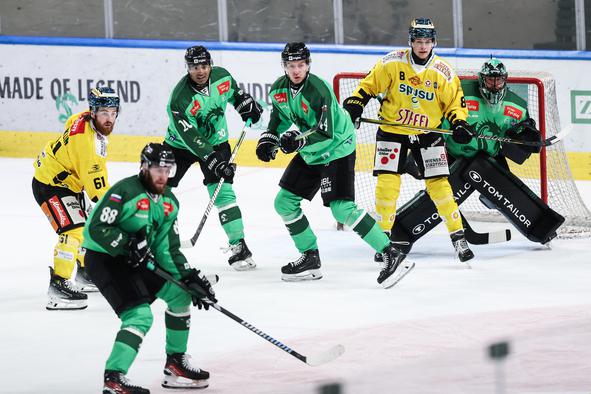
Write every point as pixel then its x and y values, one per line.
pixel 414 94
pixel 76 160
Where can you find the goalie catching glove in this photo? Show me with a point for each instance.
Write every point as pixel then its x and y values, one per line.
pixel 200 288
pixel 248 108
pixel 220 167
pixel 462 132
pixel 290 143
pixel 267 147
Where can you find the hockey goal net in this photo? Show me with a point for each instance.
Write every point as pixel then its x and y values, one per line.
pixel 547 174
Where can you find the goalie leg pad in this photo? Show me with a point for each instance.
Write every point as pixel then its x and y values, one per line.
pixel 520 206
pixel 419 215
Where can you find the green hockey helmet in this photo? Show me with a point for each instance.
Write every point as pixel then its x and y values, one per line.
pixel 492 80
pixel 421 28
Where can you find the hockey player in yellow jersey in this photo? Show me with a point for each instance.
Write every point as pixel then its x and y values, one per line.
pixel 73 164
pixel 418 88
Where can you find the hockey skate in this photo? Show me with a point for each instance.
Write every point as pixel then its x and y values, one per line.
pixel 64 295
pixel 394 268
pixel 461 246
pixel 83 281
pixel 402 246
pixel 306 267
pixel 241 259
pixel 180 374
pixel 117 383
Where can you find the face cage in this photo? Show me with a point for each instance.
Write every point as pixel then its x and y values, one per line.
pixel 145 166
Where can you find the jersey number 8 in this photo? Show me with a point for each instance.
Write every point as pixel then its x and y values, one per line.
pixel 108 215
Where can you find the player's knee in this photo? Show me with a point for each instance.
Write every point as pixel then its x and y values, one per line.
pixel 439 189
pixel 226 196
pixel 345 211
pixel 139 317
pixel 179 300
pixel 287 204
pixel 388 185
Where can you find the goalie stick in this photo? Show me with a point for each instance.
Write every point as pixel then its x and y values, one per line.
pixel 313 361
pixel 476 238
pixel 189 243
pixel 547 142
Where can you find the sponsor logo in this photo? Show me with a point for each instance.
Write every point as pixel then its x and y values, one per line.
pixel 79 125
pixel 419 228
pixel 444 69
pixel 427 83
pixel 394 55
pixel 415 80
pixel 472 105
pixel 59 212
pixel 94 169
pixel 325 185
pixel 475 176
pixel 512 112
pixel 280 97
pixel 143 204
pixel 419 93
pixel 196 107
pixel 580 104
pixel 304 107
pixel 168 208
pixel 409 117
pixel 224 87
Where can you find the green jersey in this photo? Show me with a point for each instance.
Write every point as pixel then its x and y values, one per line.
pixel 303 108
pixel 197 119
pixel 127 208
pixel 487 120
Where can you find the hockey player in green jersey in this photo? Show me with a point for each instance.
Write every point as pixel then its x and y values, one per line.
pixel 133 226
pixel 324 159
pixel 494 110
pixel 198 132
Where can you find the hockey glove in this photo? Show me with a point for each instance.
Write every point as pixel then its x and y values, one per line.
pixel 140 254
pixel 462 132
pixel 289 142
pixel 267 147
pixel 248 108
pixel 220 167
pixel 354 106
pixel 200 288
pixel 526 131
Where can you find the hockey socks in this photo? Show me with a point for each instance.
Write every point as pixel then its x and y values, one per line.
pixel 287 205
pixel 361 222
pixel 135 323
pixel 177 331
pixel 387 192
pixel 228 211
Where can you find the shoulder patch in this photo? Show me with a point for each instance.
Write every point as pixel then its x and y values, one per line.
pixel 223 87
pixel 280 97
pixel 513 112
pixel 394 56
pixel 444 69
pixel 79 124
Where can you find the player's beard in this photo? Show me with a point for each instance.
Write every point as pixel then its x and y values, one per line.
pixel 150 185
pixel 106 128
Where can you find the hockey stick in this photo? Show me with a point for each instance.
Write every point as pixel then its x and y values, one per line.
pixel 476 238
pixel 189 243
pixel 547 142
pixel 314 129
pixel 313 361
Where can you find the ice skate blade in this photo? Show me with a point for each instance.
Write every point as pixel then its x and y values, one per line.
pixel 87 288
pixel 302 276
pixel 179 382
pixel 60 304
pixel 244 265
pixel 400 273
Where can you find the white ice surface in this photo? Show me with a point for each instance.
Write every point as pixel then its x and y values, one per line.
pixel 428 334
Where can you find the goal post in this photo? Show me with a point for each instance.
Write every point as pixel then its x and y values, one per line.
pixel 547 174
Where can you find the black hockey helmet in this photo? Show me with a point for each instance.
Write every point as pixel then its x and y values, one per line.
pixel 421 28
pixel 103 97
pixel 158 155
pixel 295 51
pixel 198 54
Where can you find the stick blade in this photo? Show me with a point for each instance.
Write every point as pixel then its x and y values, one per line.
pixel 326 356
pixel 186 244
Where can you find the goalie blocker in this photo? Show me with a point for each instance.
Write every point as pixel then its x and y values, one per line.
pixel 520 206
